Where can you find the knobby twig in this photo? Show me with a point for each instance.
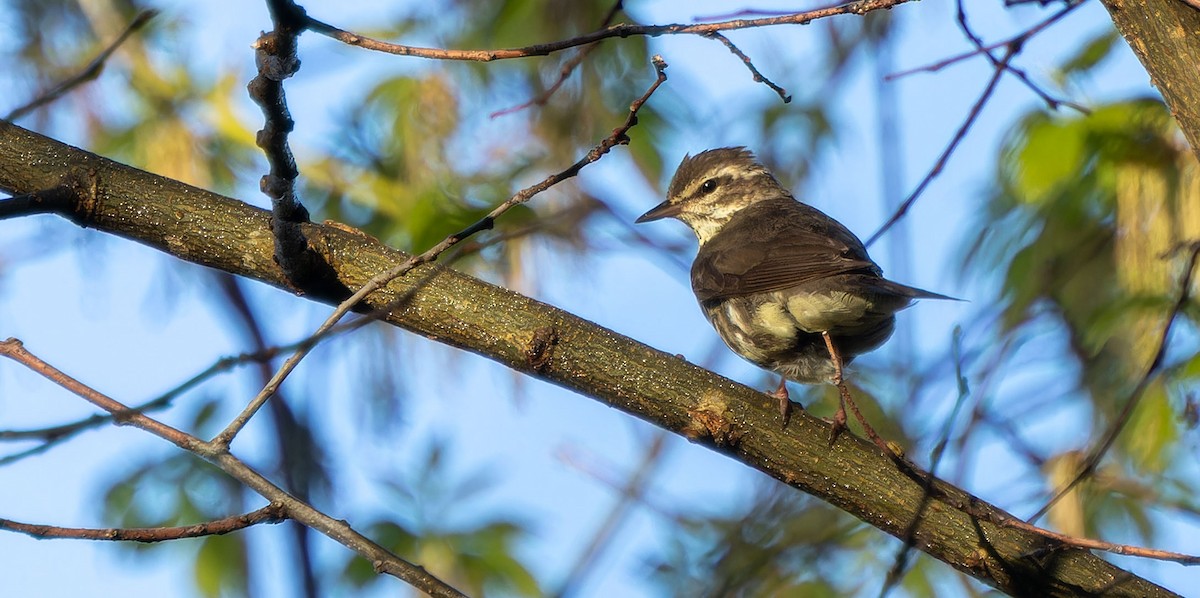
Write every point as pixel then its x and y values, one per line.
pixel 565 71
pixel 339 531
pixel 619 30
pixel 1135 395
pixel 619 136
pixel 272 513
pixel 89 72
pixel 758 77
pixel 959 135
pixel 276 60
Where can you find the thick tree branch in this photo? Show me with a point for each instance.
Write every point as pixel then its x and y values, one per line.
pixel 550 344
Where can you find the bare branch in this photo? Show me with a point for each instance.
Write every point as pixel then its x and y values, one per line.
pixel 758 77
pixel 1019 39
pixel 860 7
pixel 959 135
pixel 340 531
pixel 276 59
pixel 54 435
pixel 1052 102
pixel 272 513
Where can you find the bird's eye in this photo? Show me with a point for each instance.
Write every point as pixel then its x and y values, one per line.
pixel 708 186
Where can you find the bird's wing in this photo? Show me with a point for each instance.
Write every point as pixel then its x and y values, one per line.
pixel 773 247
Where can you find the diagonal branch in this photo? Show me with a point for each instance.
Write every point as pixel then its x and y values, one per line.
pixel 758 77
pixel 339 531
pixel 619 136
pixel 959 135
pixel 547 343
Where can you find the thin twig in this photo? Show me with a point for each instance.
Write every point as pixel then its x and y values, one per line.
pixel 54 435
pixel 619 136
pixel 383 560
pixel 1020 38
pixel 1089 544
pixel 758 77
pixel 619 30
pixel 1135 395
pixel 565 71
pixel 959 135
pixel 272 513
pixel 89 72
pixel 299 461
pixel 1051 102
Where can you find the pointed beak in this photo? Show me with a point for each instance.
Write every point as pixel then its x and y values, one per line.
pixel 665 209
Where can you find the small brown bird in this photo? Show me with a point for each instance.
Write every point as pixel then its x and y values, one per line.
pixel 786 287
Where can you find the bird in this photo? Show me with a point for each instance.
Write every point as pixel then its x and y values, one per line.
pixel 786 287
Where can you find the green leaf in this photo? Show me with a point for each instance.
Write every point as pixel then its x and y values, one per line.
pixel 1089 56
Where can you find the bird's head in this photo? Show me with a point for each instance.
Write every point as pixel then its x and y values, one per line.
pixel 710 187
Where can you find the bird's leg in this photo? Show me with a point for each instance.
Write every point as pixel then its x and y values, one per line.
pixel 839 418
pixel 785 403
pixel 844 398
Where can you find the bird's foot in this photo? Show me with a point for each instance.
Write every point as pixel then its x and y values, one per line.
pixel 838 425
pixel 785 402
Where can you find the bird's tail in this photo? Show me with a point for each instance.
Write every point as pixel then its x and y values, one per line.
pixel 914 292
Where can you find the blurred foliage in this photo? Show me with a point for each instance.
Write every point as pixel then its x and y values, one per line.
pixel 477 556
pixel 1088 221
pixel 782 543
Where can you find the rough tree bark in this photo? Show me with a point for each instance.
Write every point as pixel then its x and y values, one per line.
pixel 552 345
pixel 1165 35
